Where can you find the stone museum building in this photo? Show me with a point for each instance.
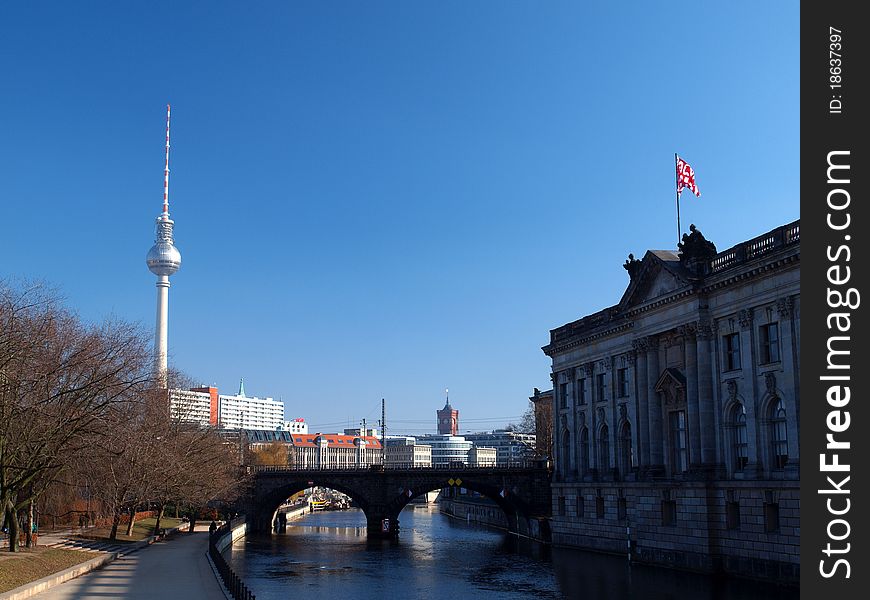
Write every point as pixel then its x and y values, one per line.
pixel 676 411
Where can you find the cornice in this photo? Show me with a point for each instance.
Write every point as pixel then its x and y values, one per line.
pixel 551 349
pixel 735 277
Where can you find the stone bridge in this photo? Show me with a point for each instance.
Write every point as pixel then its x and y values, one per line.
pixel 523 493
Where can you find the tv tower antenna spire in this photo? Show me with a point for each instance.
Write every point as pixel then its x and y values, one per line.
pixel 166 169
pixel 163 260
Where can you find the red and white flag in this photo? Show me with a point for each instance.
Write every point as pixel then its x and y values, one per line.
pixel 686 178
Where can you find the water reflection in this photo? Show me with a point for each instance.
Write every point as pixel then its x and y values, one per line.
pixel 438 557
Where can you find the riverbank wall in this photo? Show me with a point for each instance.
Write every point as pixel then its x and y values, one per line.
pixel 236 531
pixel 474 510
pixel 484 511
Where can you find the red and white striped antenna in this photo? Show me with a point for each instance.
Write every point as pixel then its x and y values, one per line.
pixel 166 170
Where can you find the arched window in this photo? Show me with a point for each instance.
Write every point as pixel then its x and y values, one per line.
pixel 778 434
pixel 584 450
pixel 603 447
pixel 625 458
pixel 739 447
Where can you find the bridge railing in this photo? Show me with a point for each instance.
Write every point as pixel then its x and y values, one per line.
pixel 233 582
pixel 513 465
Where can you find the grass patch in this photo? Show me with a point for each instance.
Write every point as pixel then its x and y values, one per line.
pixel 30 564
pixel 141 530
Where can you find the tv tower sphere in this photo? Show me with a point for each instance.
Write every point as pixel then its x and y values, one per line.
pixel 164 259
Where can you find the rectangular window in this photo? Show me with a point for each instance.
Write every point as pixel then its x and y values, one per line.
pixel 561 506
pixel 622 377
pixel 679 446
pixel 563 395
pixel 732 352
pixel 581 391
pixel 768 336
pixel 732 515
pixel 771 517
pixel 599 387
pixel 599 507
pixel 580 508
pixel 669 512
pixel 621 511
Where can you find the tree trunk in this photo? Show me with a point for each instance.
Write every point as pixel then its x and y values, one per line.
pixel 157 521
pixel 116 520
pixel 28 535
pixel 132 521
pixel 12 523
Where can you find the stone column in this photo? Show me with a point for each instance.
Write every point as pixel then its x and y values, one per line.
pixel 705 393
pixel 692 407
pixel 788 350
pixel 642 388
pixel 557 432
pixel 592 421
pixel 571 380
pixel 587 421
pixel 656 433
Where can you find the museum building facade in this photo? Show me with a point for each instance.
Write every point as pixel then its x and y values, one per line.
pixel 676 411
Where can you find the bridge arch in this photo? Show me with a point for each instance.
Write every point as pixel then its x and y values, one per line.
pixel 263 510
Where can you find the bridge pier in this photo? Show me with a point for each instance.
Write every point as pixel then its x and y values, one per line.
pixel 382 526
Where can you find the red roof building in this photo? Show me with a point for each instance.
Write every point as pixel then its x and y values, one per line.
pixel 321 450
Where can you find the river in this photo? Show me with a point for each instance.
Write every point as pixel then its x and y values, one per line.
pixel 327 555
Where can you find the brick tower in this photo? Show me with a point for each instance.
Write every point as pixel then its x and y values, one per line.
pixel 448 418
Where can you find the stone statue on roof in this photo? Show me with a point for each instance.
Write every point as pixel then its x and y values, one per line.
pixel 632 265
pixel 696 251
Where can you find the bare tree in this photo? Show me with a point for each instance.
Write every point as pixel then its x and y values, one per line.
pixel 81 399
pixel 121 468
pixel 59 380
pixel 527 421
pixel 274 453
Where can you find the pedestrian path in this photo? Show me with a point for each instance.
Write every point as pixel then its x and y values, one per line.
pixel 176 567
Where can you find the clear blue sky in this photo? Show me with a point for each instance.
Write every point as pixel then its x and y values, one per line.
pixel 384 199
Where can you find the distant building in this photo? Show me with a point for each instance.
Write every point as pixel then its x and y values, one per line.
pixel 258 438
pixel 334 451
pixel 197 405
pixel 543 407
pixel 676 410
pixel 319 450
pixel 296 426
pixel 405 454
pixel 511 447
pixel 446 449
pixel 204 405
pixel 369 431
pixel 242 412
pixel 448 420
pixel 479 456
pixel 400 439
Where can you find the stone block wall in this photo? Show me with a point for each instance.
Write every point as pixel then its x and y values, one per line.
pixel 687 525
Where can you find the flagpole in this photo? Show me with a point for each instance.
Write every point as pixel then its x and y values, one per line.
pixel 677 188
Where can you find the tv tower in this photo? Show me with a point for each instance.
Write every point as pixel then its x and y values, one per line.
pixel 163 260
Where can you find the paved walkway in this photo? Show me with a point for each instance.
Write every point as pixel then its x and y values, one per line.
pixel 166 570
